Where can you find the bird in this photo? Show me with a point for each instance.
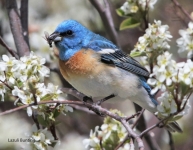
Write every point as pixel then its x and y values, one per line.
pixel 99 69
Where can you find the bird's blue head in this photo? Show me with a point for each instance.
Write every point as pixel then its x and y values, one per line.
pixel 69 37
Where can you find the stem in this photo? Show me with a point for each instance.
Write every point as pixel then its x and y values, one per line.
pixel 11 51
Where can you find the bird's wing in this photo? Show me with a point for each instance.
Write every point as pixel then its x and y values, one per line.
pixel 110 54
pixel 121 60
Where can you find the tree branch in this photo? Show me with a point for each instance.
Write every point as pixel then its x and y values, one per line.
pixel 11 51
pixel 105 14
pixel 16 29
pixel 95 107
pixel 24 20
pixel 182 9
pixel 133 134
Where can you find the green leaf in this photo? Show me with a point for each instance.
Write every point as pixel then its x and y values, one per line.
pixel 56 113
pixel 42 121
pixel 176 117
pixel 129 23
pixel 120 12
pixel 185 89
pixel 137 54
pixel 46 97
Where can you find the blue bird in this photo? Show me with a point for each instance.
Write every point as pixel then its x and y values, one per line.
pixel 99 69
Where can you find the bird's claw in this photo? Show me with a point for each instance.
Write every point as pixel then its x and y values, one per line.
pixel 89 100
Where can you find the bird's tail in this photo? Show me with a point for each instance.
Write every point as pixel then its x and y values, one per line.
pixel 173 127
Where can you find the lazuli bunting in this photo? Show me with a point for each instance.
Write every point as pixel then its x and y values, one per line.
pixel 97 68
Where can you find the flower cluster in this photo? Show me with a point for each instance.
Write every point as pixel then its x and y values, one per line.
pixel 168 73
pixel 110 134
pixel 155 40
pixel 165 72
pixel 24 79
pixel 132 6
pixel 41 138
pixel 168 106
pixel 185 43
pixel 174 79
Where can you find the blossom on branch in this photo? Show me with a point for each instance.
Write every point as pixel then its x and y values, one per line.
pixel 132 6
pixel 185 42
pixel 155 40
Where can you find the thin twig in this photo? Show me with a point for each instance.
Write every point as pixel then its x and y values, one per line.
pixel 126 137
pixel 122 142
pixel 6 85
pixel 133 134
pixel 182 9
pixel 11 51
pixel 157 124
pixel 133 116
pixel 105 14
pixel 137 120
pixel 39 103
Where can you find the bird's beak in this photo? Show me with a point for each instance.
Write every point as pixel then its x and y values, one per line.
pixel 55 37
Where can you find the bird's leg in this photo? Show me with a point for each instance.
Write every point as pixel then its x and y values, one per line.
pixel 99 102
pixel 87 99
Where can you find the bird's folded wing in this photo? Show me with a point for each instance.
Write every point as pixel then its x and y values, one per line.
pixel 121 60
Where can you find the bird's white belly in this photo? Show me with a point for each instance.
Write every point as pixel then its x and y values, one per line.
pixel 110 81
pixel 123 84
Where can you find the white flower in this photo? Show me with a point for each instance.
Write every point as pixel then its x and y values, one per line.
pixel 93 141
pixel 164 60
pixel 18 92
pixel 186 73
pixel 3 66
pixel 107 130
pixel 42 138
pixel 53 90
pixel 185 42
pixel 165 73
pixel 150 4
pixel 41 90
pixel 167 105
pixel 155 39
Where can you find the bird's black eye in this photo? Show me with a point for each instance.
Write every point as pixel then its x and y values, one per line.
pixel 69 32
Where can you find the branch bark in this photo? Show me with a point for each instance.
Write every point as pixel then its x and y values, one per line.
pixel 105 14
pixel 24 20
pixel 182 9
pixel 16 28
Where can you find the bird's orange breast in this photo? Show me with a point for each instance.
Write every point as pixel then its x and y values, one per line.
pixel 82 63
